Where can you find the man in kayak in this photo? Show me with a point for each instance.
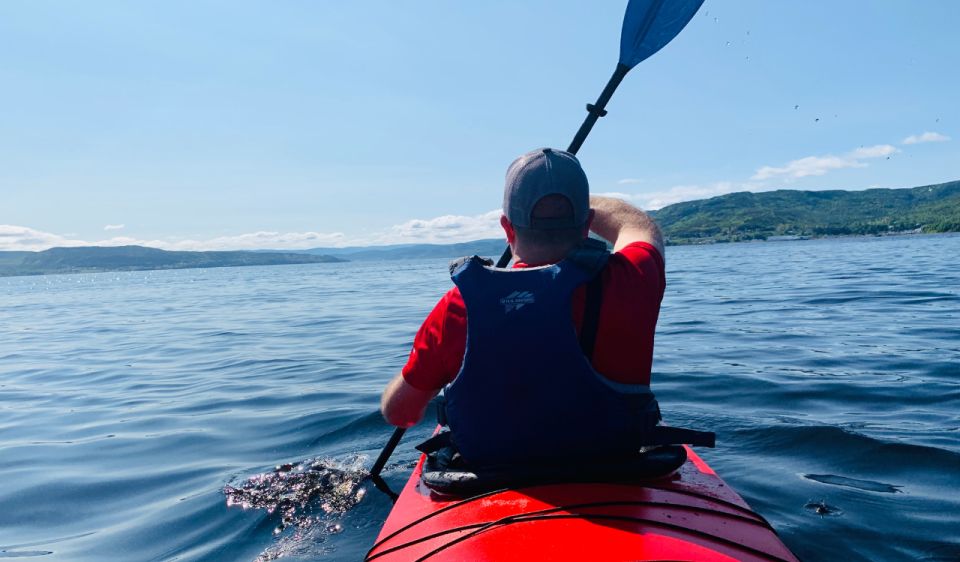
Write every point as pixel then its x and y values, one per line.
pixel 548 214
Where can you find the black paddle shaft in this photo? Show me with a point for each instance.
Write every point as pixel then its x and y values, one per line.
pixel 386 452
pixel 594 111
pixel 597 110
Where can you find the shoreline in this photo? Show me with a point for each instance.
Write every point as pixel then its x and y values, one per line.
pixel 798 238
pixel 129 269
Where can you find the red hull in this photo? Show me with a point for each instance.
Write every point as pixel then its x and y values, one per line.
pixel 692 515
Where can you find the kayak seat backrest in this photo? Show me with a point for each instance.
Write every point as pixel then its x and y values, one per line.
pixel 445 472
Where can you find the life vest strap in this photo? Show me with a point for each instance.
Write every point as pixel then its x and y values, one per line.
pixel 591 316
pixel 667 435
pixel 436 442
pixel 660 435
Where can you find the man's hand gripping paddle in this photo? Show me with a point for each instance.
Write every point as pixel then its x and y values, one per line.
pixel 648 26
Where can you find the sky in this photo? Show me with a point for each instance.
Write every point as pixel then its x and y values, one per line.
pixel 200 125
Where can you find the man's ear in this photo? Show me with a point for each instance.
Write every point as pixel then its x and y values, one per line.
pixel 508 229
pixel 586 227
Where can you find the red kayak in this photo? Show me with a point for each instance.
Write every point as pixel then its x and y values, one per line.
pixel 690 515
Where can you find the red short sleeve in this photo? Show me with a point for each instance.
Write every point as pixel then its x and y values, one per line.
pixel 633 288
pixel 648 261
pixel 439 345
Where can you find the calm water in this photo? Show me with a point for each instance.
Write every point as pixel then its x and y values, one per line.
pixel 829 369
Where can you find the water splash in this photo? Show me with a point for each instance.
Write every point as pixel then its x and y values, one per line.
pixel 305 494
pixel 306 543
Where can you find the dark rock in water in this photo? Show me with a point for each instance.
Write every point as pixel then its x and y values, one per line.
pixel 868 485
pixel 822 508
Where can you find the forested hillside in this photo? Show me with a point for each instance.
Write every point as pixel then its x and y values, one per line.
pixel 750 216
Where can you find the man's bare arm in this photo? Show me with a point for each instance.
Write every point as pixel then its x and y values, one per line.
pixel 621 223
pixel 403 405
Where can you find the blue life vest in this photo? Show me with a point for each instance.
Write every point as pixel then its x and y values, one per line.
pixel 525 392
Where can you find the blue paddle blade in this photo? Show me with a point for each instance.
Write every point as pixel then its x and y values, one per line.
pixel 649 25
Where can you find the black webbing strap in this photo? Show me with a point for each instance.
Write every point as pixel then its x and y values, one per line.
pixel 667 435
pixel 435 443
pixel 591 315
pixel 441 401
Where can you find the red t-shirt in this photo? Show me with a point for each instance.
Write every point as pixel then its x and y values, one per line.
pixel 633 284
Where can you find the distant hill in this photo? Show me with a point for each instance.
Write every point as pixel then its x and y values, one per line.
pixel 8 259
pixel 135 258
pixel 750 216
pixel 492 247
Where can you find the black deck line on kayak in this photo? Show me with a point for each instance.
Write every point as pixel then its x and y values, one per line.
pixel 464 501
pixel 532 517
pixel 431 514
pixel 520 517
pixel 541 513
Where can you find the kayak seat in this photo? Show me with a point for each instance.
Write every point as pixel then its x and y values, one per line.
pixel 445 471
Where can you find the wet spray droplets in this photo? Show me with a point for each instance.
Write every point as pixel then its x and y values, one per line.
pixel 297 491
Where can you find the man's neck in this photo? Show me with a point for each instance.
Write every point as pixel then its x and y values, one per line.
pixel 531 257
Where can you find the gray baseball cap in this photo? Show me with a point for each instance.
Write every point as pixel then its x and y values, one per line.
pixel 542 172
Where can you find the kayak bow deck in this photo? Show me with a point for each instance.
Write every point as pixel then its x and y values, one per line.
pixel 690 515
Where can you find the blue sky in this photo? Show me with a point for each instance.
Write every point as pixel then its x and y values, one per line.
pixel 207 125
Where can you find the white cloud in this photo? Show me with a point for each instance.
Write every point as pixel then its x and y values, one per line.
pixel 809 166
pixel 820 165
pixel 679 193
pixel 14 237
pixel 620 195
pixel 877 151
pixel 926 137
pixel 440 230
pixel 795 169
pixel 629 181
pixel 263 240
pixel 114 227
pixel 445 229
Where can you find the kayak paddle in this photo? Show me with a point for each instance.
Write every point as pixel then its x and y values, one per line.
pixel 648 25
